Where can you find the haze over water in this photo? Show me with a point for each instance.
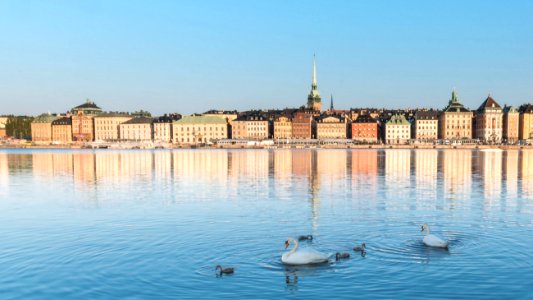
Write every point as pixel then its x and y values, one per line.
pixel 154 224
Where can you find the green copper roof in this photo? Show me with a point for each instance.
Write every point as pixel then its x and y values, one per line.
pixel 398 120
pixel 45 118
pixel 201 120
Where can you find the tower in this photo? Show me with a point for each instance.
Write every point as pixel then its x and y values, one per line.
pixel 314 101
pixel 331 104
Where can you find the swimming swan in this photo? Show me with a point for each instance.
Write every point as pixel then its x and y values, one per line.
pixel 302 256
pixel 433 240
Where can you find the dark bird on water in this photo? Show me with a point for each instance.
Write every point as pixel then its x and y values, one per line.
pixel 342 255
pixel 305 238
pixel 224 270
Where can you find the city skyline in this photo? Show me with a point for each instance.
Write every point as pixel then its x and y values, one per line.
pixel 193 57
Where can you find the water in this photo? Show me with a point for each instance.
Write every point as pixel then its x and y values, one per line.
pixel 154 224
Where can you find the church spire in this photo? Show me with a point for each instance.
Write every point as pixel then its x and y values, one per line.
pixel 331 105
pixel 314 101
pixel 454 99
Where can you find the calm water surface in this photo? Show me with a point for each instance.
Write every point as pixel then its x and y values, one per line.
pixel 154 224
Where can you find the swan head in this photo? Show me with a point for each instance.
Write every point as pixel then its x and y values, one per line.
pixel 363 245
pixel 286 244
pixel 423 227
pixel 218 267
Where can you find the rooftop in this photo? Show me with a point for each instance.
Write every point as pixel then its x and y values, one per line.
pixel 201 120
pixel 139 120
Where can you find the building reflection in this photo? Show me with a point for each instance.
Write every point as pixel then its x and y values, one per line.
pixel 364 174
pixel 4 174
pixel 397 175
pixel 526 173
pixel 490 163
pixel 510 176
pixel 456 173
pixel 426 175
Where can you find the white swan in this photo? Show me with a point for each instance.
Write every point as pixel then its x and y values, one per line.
pixel 302 256
pixel 432 240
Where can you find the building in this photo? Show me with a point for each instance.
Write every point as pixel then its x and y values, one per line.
pixel 83 121
pixel 426 126
pixel 107 126
pixel 3 122
pixel 62 130
pixel 163 127
pixel 314 101
pixel 199 129
pixel 489 121
pixel 282 127
pixel 137 129
pixel 251 127
pixel 303 125
pixel 511 121
pixel 455 121
pixel 397 130
pixel 41 128
pixel 526 122
pixel 331 127
pixel 365 129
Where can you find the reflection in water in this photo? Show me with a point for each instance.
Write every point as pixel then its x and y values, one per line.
pixel 508 173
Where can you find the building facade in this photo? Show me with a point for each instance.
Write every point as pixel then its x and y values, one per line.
pixel 426 126
pixel 365 129
pixel 137 129
pixel 303 125
pixel 62 130
pixel 282 127
pixel 489 121
pixel 397 130
pixel 511 122
pixel 107 126
pixel 83 121
pixel 41 128
pixel 455 120
pixel 199 129
pixel 251 127
pixel 3 122
pixel 526 122
pixel 331 127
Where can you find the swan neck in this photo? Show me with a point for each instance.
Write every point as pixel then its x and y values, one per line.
pixel 295 247
pixel 427 230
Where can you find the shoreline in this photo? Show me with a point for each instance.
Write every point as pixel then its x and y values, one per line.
pixel 214 147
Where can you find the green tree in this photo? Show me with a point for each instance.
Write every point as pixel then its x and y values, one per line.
pixel 19 127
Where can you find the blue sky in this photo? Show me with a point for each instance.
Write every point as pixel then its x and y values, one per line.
pixel 191 56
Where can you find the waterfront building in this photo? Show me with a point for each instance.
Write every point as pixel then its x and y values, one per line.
pixel 199 129
pixel 455 121
pixel 511 119
pixel 314 101
pixel 83 121
pixel 62 130
pixel 282 127
pixel 3 121
pixel 365 129
pixel 41 128
pixel 136 129
pixel 526 122
pixel 303 125
pixel 489 121
pixel 251 127
pixel 426 126
pixel 397 130
pixel 331 127
pixel 107 126
pixel 163 127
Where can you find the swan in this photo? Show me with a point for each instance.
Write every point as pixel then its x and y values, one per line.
pixel 305 237
pixel 341 255
pixel 432 240
pixel 302 256
pixel 224 270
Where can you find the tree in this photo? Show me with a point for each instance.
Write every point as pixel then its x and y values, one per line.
pixel 19 127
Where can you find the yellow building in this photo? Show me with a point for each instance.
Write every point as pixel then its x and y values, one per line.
pixel 136 129
pixel 199 129
pixel 331 127
pixel 3 121
pixel 526 122
pixel 163 132
pixel 62 130
pixel 83 121
pixel 107 126
pixel 252 127
pixel 511 121
pixel 41 128
pixel 397 130
pixel 282 128
pixel 426 127
pixel 455 121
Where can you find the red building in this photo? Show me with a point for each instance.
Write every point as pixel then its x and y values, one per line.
pixel 365 129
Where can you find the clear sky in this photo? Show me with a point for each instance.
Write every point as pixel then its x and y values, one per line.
pixel 191 56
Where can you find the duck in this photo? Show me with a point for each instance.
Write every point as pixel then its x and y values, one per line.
pixel 304 256
pixel 224 270
pixel 342 255
pixel 305 237
pixel 361 248
pixel 432 240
